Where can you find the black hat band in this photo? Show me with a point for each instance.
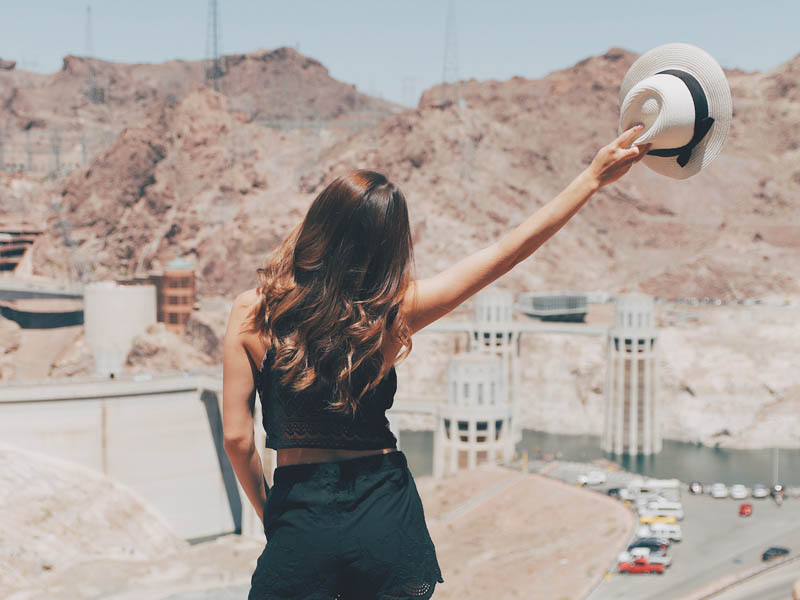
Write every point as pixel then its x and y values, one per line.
pixel 702 122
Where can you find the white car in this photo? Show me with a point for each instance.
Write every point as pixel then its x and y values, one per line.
pixel 593 478
pixel 738 491
pixel 651 557
pixel 644 500
pixel 664 509
pixel 644 531
pixel 719 490
pixel 760 491
pixel 665 530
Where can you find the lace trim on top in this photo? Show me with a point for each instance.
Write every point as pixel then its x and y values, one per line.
pixel 300 420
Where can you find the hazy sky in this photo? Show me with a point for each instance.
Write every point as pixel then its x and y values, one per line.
pixel 396 48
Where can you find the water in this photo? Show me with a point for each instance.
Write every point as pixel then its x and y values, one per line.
pixel 683 460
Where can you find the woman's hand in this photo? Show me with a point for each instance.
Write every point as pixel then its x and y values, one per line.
pixel 615 159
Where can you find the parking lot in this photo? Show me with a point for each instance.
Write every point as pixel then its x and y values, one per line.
pixel 716 540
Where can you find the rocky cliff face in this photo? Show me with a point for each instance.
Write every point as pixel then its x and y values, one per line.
pixel 268 84
pixel 198 173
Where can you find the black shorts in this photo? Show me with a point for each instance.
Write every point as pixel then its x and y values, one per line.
pixel 346 530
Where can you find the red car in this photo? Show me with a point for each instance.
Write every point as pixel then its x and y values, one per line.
pixel 640 565
pixel 745 510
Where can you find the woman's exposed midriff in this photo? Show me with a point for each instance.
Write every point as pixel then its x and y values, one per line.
pixel 293 456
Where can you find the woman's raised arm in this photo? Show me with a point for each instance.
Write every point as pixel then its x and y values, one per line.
pixel 430 299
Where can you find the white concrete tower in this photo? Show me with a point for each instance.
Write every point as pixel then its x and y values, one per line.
pixel 493 332
pixel 631 423
pixel 474 425
pixel 112 316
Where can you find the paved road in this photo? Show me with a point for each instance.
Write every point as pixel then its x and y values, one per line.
pixel 716 543
pixel 775 584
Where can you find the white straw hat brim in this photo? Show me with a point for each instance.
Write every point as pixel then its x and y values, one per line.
pixel 709 74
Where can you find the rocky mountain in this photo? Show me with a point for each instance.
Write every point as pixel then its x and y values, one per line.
pixel 81 109
pixel 199 174
pixel 90 93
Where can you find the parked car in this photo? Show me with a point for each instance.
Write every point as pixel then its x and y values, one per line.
pixel 719 490
pixel 695 487
pixel 664 509
pixel 621 493
pixel 670 532
pixel 759 491
pixel 644 531
pixel 649 518
pixel 592 478
pixel 774 552
pixel 660 557
pixel 641 502
pixel 640 565
pixel 745 510
pixel 738 491
pixel 654 543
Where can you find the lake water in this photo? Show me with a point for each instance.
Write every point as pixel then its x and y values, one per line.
pixel 683 460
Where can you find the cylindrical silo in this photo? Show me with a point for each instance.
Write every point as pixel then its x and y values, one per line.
pixel 113 315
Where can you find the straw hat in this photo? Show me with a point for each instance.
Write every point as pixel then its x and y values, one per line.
pixel 680 94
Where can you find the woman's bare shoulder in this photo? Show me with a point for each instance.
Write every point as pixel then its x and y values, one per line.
pixel 244 303
pixel 248 297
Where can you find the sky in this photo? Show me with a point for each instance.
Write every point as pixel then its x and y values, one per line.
pixel 395 49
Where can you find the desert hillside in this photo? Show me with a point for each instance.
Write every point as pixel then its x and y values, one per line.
pixel 199 171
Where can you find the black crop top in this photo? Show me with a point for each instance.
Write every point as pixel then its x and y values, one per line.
pixel 294 420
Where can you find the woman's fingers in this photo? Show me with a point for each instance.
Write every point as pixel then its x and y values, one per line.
pixel 626 137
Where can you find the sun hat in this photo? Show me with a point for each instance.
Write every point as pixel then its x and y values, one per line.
pixel 681 96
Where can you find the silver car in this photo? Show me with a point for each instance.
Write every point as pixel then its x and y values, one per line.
pixel 738 491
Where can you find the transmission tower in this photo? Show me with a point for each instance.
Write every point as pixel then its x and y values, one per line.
pixel 450 69
pixel 215 68
pixel 94 92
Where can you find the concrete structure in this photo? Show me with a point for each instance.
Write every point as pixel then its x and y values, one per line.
pixel 554 306
pixel 159 434
pixel 630 424
pixel 113 316
pixel 474 425
pixel 493 331
pixel 43 313
pixel 16 238
pixel 177 293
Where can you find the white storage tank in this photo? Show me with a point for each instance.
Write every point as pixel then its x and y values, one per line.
pixel 112 316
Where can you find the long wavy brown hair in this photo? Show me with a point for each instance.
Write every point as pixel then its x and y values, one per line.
pixel 331 292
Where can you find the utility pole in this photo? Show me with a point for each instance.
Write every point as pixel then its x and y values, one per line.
pixel 95 93
pixel 27 149
pixel 450 68
pixel 56 141
pixel 215 68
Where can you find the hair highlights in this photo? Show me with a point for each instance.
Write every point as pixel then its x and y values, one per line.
pixel 331 292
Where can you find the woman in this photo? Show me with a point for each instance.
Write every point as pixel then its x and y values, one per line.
pixel 318 340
